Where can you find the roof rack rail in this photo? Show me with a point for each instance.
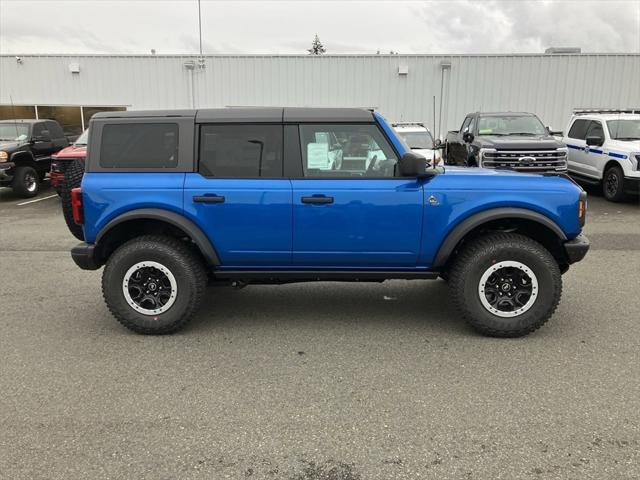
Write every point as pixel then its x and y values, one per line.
pixel 586 111
pixel 406 124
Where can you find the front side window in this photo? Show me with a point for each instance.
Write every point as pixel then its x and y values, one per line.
pixel 624 130
pixel 465 124
pixel 338 150
pixel 139 145
pixel 579 129
pixel 526 125
pixel 595 130
pixel 241 151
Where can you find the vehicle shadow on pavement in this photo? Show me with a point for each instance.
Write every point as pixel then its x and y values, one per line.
pixel 419 305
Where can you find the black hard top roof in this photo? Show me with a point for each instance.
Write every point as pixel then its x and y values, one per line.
pixel 254 114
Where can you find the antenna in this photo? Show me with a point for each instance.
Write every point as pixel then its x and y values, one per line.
pixel 201 59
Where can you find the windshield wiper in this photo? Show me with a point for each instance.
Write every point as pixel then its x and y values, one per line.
pixel 524 133
pixel 495 134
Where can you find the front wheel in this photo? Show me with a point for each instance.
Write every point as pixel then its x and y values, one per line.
pixel 26 182
pixel 613 184
pixel 154 284
pixel 505 284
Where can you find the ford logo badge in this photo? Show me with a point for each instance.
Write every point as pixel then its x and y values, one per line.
pixel 524 161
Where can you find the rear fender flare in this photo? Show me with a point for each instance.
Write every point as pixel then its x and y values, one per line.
pixel 172 218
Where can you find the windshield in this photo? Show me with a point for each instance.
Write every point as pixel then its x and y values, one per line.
pixel 15 132
pixel 624 129
pixel 82 139
pixel 510 125
pixel 417 140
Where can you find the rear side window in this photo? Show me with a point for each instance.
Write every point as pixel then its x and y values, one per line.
pixel 579 129
pixel 55 130
pixel 241 151
pixel 139 145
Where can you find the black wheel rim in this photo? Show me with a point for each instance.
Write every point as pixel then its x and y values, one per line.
pixel 508 289
pixel 149 288
pixel 612 184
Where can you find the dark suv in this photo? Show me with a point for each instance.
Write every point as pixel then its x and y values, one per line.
pixel 26 147
pixel 171 200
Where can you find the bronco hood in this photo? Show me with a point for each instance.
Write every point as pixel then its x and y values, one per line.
pixel 518 142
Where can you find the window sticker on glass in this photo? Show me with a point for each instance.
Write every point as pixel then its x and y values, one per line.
pixel 318 156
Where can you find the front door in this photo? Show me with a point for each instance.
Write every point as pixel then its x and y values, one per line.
pixel 349 209
pixel 239 197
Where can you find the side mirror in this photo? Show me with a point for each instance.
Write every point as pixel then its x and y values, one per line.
pixel 594 141
pixel 414 165
pixel 552 132
pixel 467 137
pixel 437 143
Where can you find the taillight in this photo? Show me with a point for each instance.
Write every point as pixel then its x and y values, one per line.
pixel 76 206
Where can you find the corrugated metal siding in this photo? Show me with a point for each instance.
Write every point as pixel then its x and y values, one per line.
pixel 549 85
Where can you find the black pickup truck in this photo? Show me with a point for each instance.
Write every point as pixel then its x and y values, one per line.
pixel 26 147
pixel 509 140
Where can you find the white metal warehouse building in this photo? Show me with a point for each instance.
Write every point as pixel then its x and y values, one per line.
pixel 70 88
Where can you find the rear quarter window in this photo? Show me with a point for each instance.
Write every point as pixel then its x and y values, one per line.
pixel 139 145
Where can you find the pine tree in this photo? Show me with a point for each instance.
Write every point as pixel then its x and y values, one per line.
pixel 316 47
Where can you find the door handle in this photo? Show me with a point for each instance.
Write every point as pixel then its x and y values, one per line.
pixel 317 199
pixel 208 199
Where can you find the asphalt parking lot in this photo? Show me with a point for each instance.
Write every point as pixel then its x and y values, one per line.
pixel 315 381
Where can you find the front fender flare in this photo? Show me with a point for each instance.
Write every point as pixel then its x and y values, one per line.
pixel 459 231
pixel 172 218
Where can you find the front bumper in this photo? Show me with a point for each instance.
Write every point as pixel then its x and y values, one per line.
pixel 632 185
pixel 5 168
pixel 577 248
pixel 56 178
pixel 84 256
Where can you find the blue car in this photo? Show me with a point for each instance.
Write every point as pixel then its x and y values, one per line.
pixel 172 201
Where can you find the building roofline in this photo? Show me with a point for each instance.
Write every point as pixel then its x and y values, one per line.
pixel 335 55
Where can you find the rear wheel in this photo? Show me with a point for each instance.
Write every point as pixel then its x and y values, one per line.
pixel 505 285
pixel 26 182
pixel 154 284
pixel 72 179
pixel 613 184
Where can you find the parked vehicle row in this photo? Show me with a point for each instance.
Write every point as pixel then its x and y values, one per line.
pixel 278 195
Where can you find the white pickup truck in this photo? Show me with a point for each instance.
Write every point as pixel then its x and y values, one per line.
pixel 604 149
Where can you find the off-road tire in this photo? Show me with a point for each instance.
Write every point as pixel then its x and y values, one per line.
pixel 72 179
pixel 613 175
pixel 186 266
pixel 483 252
pixel 19 182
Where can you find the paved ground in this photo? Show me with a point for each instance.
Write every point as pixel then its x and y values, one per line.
pixel 315 381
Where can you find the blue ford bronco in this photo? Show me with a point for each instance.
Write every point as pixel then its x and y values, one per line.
pixel 172 201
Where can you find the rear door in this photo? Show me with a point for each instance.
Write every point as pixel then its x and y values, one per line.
pixel 355 213
pixel 238 195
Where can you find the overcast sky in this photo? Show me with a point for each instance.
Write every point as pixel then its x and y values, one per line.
pixel 288 27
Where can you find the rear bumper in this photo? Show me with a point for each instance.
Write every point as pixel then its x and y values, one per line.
pixel 577 248
pixel 632 185
pixel 84 256
pixel 6 172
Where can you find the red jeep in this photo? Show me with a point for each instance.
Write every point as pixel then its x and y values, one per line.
pixel 62 159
